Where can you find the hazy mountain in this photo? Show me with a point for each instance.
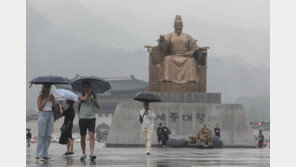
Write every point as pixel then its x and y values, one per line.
pixel 257 108
pixel 212 23
pixel 104 26
pixel 66 39
pixel 84 25
pixel 234 77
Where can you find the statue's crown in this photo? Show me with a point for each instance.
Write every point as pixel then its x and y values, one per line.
pixel 178 18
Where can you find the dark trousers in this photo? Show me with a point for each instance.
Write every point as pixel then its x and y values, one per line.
pixel 28 142
pixel 260 144
pixel 164 140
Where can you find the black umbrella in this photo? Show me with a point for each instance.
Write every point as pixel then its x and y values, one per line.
pixel 147 97
pixel 99 85
pixel 50 80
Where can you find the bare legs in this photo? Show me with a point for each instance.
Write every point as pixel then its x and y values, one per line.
pixel 91 142
pixel 70 145
pixel 82 143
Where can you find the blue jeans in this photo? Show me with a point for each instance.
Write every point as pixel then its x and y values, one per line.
pixel 45 125
pixel 28 142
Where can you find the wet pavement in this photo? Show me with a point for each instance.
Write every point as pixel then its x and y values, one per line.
pixel 160 157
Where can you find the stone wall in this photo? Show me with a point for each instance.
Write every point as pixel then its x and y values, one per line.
pixel 183 119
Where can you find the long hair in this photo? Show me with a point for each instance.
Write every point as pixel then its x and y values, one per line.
pixel 42 90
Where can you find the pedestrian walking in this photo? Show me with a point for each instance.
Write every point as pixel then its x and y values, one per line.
pixel 165 134
pixel 87 119
pixel 66 135
pixel 147 117
pixel 28 137
pixel 46 106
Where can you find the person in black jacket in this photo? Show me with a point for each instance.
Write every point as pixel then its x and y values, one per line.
pixel 165 134
pixel 28 137
pixel 217 130
pixel 66 137
pixel 158 131
pixel 260 139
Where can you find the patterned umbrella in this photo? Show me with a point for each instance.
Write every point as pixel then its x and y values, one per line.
pixel 99 85
pixel 67 94
pixel 147 97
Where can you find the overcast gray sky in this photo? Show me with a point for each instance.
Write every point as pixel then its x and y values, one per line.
pixel 249 14
pixel 149 18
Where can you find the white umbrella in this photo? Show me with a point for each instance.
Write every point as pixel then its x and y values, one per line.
pixel 67 94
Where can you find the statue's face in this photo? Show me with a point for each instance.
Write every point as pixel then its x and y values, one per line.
pixel 178 26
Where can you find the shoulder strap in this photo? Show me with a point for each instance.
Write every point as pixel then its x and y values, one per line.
pixel 94 102
pixel 145 113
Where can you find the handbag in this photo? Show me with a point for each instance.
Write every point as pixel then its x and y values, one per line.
pixel 64 128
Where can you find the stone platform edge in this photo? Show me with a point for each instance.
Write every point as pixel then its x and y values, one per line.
pixel 156 145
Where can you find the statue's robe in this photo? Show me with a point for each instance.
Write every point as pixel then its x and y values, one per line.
pixel 179 66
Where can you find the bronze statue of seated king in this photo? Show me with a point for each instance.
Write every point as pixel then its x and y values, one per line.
pixel 177 64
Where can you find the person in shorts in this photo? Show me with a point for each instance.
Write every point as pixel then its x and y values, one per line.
pixel 87 119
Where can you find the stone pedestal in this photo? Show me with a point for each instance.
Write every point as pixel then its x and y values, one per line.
pixel 189 97
pixel 183 119
pixel 185 114
pixel 176 87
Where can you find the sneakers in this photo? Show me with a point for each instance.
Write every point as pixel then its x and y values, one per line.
pixel 82 158
pixel 92 157
pixel 47 159
pixel 148 152
pixel 39 159
pixel 67 153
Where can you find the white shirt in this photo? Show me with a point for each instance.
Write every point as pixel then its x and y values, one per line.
pixel 48 106
pixel 148 120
